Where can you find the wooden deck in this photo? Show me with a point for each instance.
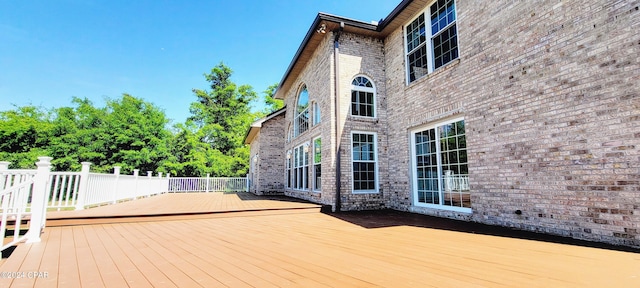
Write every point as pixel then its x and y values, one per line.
pixel 271 243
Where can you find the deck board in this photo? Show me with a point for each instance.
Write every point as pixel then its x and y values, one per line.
pixel 227 240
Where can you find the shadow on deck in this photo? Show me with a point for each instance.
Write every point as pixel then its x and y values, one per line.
pixel 390 218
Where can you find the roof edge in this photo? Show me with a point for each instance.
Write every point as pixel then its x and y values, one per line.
pixel 256 125
pixel 312 29
pixel 337 19
pixel 403 5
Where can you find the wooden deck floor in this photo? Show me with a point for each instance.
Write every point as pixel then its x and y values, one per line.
pixel 271 246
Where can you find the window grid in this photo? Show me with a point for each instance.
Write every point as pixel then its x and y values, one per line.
pixel 364 162
pixel 425 56
pixel 289 165
pixel 441 167
pixel 362 97
pixel 300 168
pixel 317 168
pixel 301 119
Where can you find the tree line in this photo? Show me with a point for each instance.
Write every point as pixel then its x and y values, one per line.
pixel 135 134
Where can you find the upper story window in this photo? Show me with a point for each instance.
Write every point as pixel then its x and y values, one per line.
pixel 362 97
pixel 316 113
pixel 429 49
pixel 301 118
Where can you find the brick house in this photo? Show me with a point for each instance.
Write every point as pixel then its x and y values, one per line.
pixel 523 114
pixel 266 152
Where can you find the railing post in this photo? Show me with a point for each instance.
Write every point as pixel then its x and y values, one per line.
pixel 84 183
pixel 247 189
pixel 135 174
pixel 149 174
pixel 167 182
pixel 159 186
pixel 207 189
pixel 4 166
pixel 116 171
pixel 39 200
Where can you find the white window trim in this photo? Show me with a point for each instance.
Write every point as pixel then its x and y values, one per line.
pixel 364 89
pixel 414 173
pixel 295 168
pixel 298 115
pixel 429 42
pixel 313 163
pixel 317 115
pixel 288 167
pixel 375 155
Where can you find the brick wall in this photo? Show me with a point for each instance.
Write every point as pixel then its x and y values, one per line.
pixel 318 76
pixel 270 167
pixel 362 56
pixel 550 96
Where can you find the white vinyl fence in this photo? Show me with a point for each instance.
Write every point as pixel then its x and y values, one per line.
pixel 208 184
pixel 20 197
pixel 28 194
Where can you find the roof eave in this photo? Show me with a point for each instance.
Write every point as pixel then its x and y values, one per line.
pixel 313 30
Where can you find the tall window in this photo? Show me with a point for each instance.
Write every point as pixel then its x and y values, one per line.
pixel 429 49
pixel 317 160
pixel 441 171
pixel 301 167
pixel 316 113
pixel 364 160
pixel 301 119
pixel 289 171
pixel 362 97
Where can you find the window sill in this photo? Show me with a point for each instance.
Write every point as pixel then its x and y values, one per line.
pixel 363 119
pixel 364 192
pixel 440 70
pixel 444 208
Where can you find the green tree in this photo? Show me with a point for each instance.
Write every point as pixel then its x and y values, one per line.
pixel 137 137
pixel 79 134
pixel 271 103
pixel 128 132
pixel 223 116
pixel 24 135
pixel 188 154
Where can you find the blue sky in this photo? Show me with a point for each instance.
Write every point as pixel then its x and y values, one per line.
pixel 52 50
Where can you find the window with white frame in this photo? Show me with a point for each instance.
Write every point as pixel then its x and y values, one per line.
pixel 289 171
pixel 301 118
pixel 364 160
pixel 301 167
pixel 362 97
pixel 316 113
pixel 430 47
pixel 440 167
pixel 317 161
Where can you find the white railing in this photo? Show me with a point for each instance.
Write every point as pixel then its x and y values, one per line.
pixel 28 194
pixel 455 182
pixel 208 184
pixel 22 194
pixel 112 188
pixel 63 190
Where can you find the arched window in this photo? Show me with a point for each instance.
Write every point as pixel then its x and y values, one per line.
pixel 301 118
pixel 363 101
